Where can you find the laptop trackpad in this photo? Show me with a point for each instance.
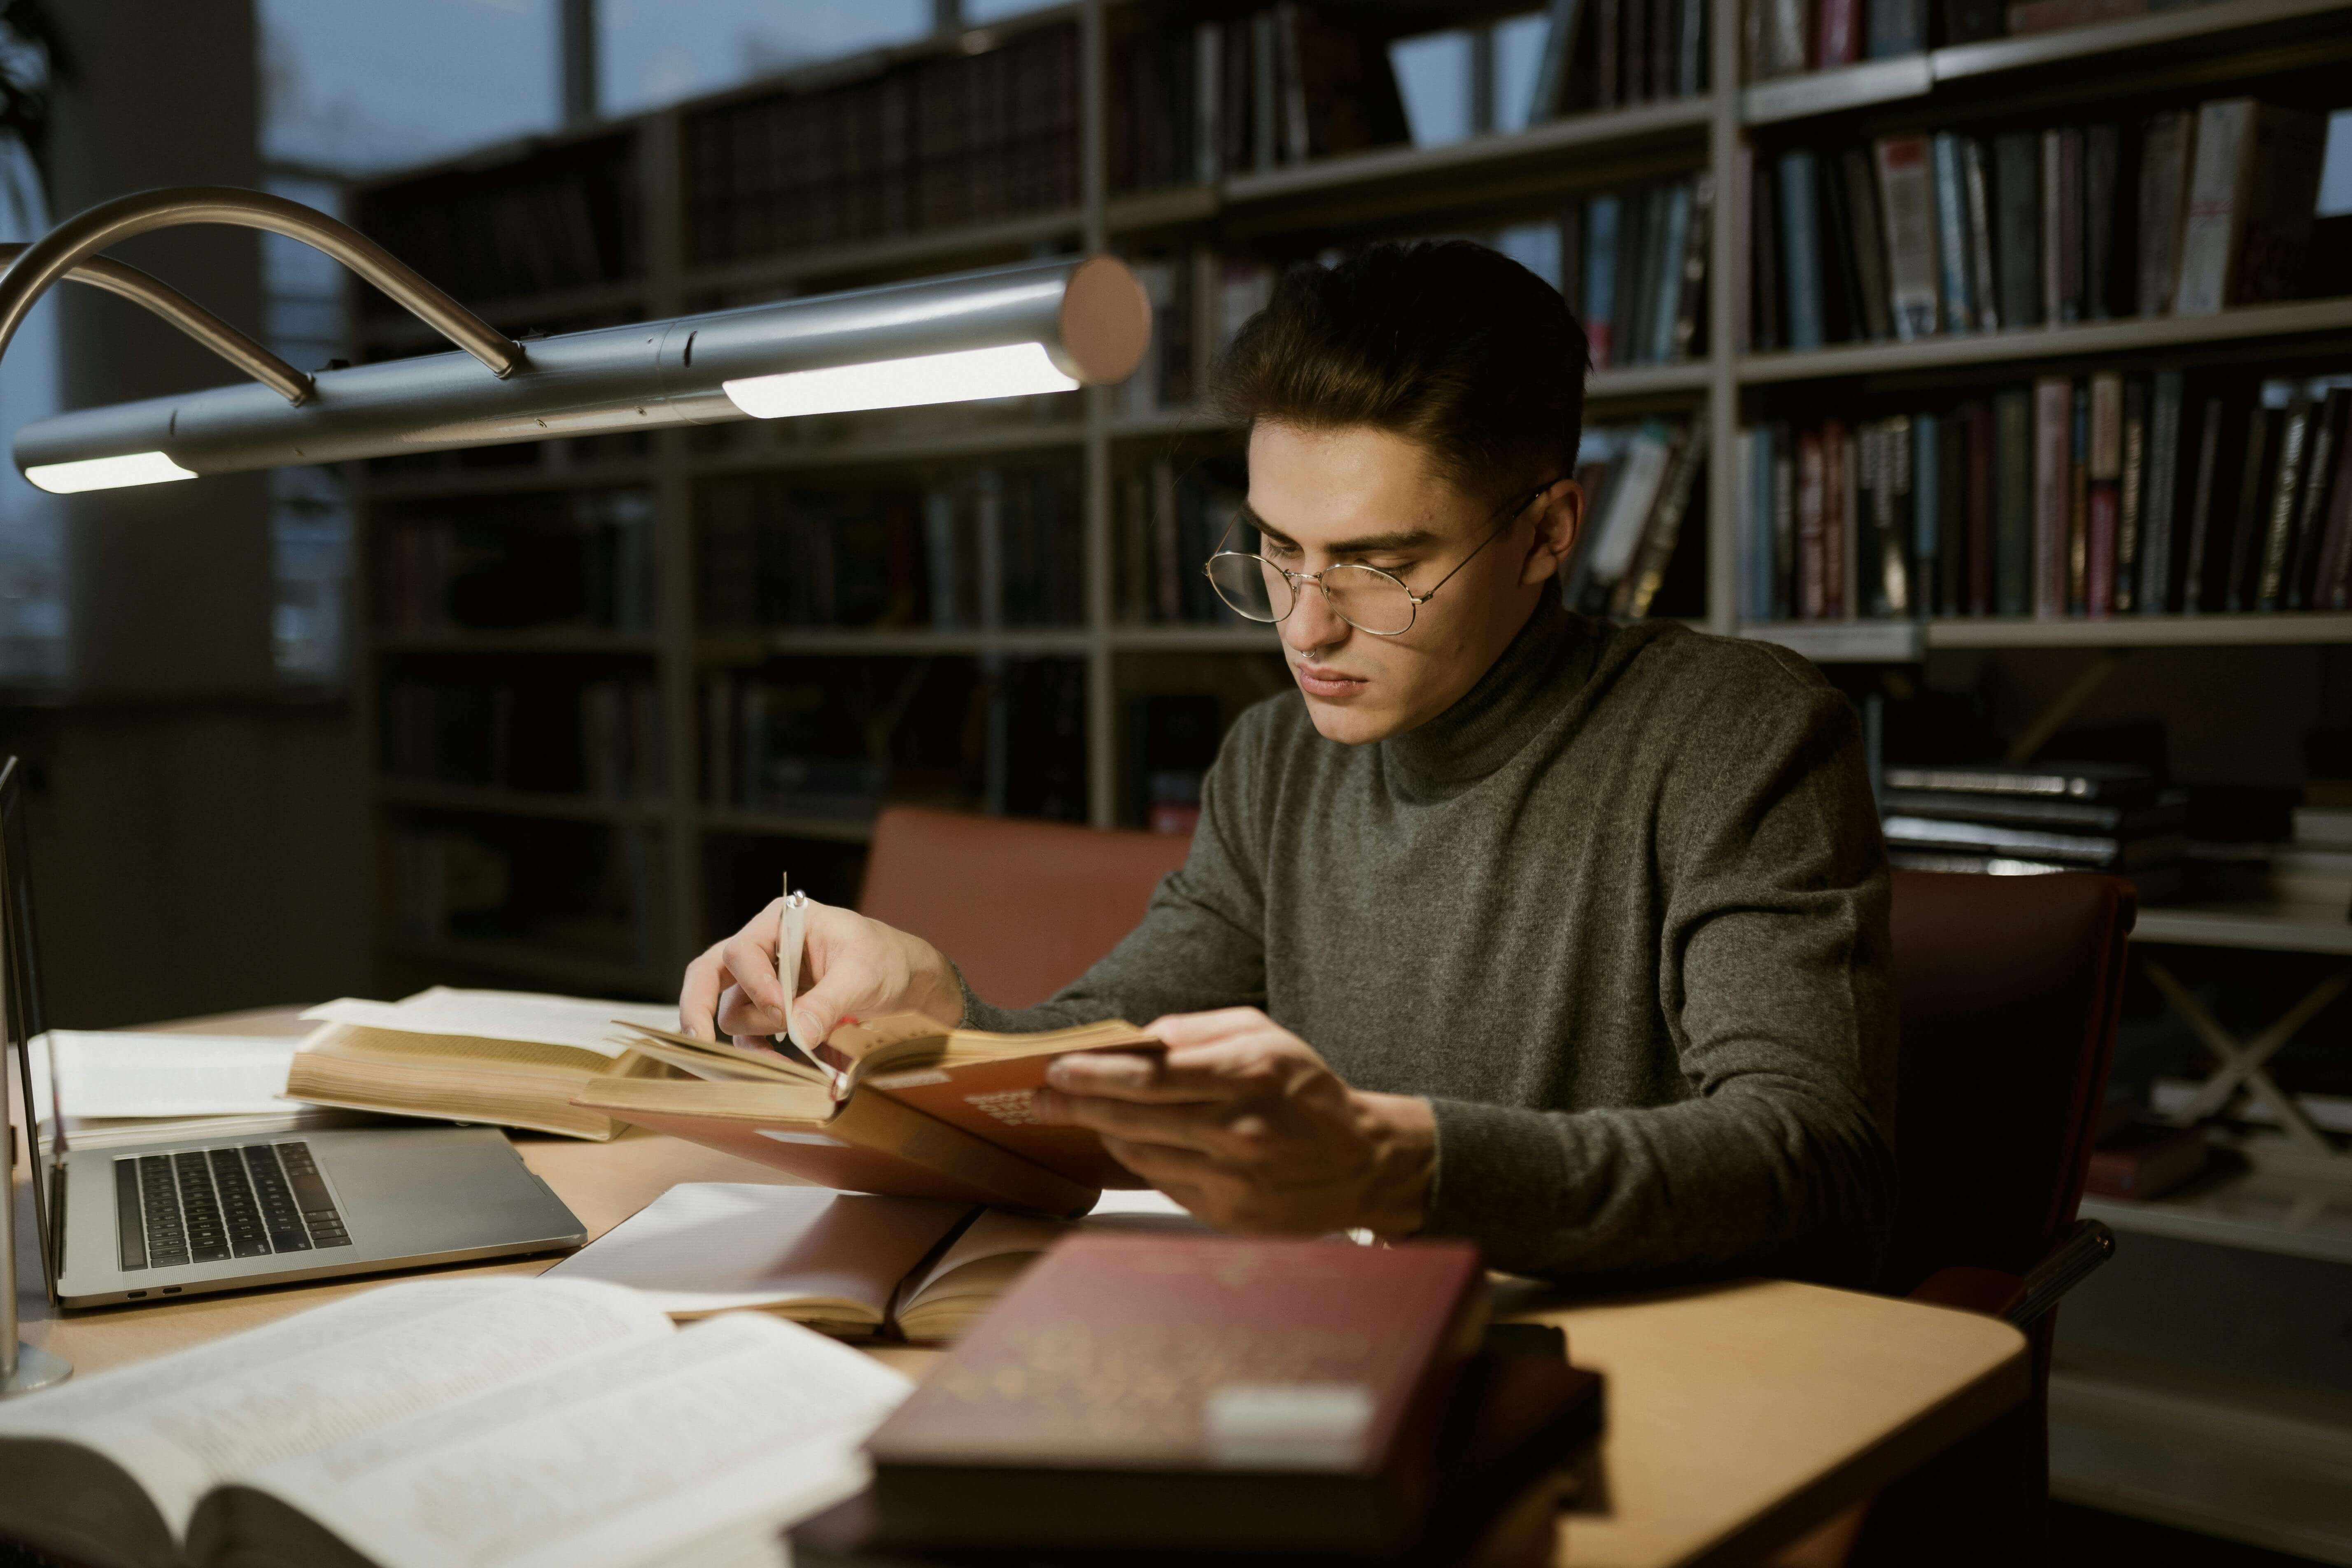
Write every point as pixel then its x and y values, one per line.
pixel 409 1190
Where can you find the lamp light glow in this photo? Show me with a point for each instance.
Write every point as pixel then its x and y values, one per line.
pixel 1008 369
pixel 106 473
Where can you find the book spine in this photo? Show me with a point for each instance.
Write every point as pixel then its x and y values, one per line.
pixel 2131 511
pixel 2278 534
pixel 1907 197
pixel 1801 228
pixel 1788 34
pixel 2015 501
pixel 1952 235
pixel 2078 507
pixel 1608 50
pixel 1813 496
pixel 1692 294
pixel 1983 286
pixel 2053 436
pixel 1673 244
pixel 1842 519
pixel 1784 524
pixel 2257 482
pixel 2103 483
pixel 2279 194
pixel 2210 227
pixel 2163 490
pixel 2070 292
pixel 1603 215
pixel 2311 498
pixel 1865 239
pixel 1549 96
pixel 1841 33
pixel 2052 229
pixel 2335 556
pixel 2100 155
pixel 1896 27
pixel 2162 148
pixel 1929 525
pixel 2018 207
pixel 2200 511
pixel 1753 450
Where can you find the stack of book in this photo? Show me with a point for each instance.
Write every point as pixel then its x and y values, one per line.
pixel 2315 868
pixel 497 563
pixel 2031 818
pixel 974 136
pixel 995 548
pixel 1639 483
pixel 597 739
pixel 2190 213
pixel 2108 494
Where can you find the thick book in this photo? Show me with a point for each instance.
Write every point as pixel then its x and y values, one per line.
pixel 2013 503
pixel 2251 195
pixel 494 1421
pixel 1865 242
pixel 2054 482
pixel 2104 783
pixel 2165 149
pixel 1804 322
pixel 2325 440
pixel 2197 568
pixel 1896 27
pixel 1189 1392
pixel 1983 281
pixel 852 1265
pixel 2131 495
pixel 1907 197
pixel 1954 280
pixel 2017 227
pixel 2102 210
pixel 899 1107
pixel 510 1058
pixel 2160 489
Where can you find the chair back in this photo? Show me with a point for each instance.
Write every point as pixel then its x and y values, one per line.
pixel 1022 907
pixel 2010 989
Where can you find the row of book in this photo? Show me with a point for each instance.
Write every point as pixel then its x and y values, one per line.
pixel 2188 213
pixel 1633 263
pixel 1784 37
pixel 597 739
pixel 569 890
pixel 998 547
pixel 1200 298
pixel 2097 496
pixel 585 558
pixel 1006 735
pixel 1636 556
pixel 2031 818
pixel 567 219
pixel 950 140
pixel 1171 516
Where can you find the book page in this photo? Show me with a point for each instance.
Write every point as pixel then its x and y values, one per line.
pixel 710 1246
pixel 102 1073
pixel 1005 1234
pixel 582 1022
pixel 739 1424
pixel 186 1423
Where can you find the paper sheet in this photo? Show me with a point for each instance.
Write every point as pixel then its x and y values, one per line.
pixel 737 1426
pixel 583 1023
pixel 104 1073
pixel 710 1247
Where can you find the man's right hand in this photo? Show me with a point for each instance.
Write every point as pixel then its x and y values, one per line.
pixel 854 967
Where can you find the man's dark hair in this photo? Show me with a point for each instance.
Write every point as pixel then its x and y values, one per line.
pixel 1445 342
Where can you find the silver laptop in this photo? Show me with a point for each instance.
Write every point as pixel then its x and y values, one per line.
pixel 145 1221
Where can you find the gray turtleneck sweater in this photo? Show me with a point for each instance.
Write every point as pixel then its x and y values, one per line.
pixel 1620 914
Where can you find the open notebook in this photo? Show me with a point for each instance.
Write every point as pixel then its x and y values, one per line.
pixel 846 1263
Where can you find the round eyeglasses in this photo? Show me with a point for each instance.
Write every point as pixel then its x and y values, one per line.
pixel 1366 597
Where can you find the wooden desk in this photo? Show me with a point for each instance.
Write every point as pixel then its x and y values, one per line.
pixel 1739 1415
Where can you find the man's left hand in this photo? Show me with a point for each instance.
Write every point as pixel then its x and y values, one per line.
pixel 1246 1127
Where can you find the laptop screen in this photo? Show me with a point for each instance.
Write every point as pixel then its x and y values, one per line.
pixel 21 1022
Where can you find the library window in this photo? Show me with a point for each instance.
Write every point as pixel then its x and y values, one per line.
pixel 654 52
pixel 357 86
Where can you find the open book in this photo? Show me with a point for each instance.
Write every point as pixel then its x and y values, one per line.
pixel 847 1264
pixel 494 1422
pixel 510 1058
pixel 897 1106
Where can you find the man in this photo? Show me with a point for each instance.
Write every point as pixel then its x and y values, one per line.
pixel 1564 937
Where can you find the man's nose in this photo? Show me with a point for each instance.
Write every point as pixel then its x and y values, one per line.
pixel 1312 625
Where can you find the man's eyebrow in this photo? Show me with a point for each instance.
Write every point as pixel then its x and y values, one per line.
pixel 1365 545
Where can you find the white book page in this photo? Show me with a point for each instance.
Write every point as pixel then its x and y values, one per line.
pixel 737 1426
pixel 186 1424
pixel 712 1247
pixel 103 1073
pixel 583 1023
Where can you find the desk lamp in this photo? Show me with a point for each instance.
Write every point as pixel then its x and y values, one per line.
pixel 1036 327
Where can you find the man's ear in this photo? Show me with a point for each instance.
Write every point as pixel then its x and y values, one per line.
pixel 1560 521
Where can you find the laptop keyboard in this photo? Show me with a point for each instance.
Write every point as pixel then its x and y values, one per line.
pixel 208 1205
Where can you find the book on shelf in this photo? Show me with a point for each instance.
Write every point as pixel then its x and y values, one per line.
pixel 894 1105
pixel 1639 483
pixel 1788 37
pixel 598 740
pixel 1170 517
pixel 563 217
pixel 496 1422
pixel 506 563
pixel 511 1059
pixel 1328 1439
pixel 2190 211
pixel 2169 492
pixel 981 134
pixel 853 1264
pixel 505 889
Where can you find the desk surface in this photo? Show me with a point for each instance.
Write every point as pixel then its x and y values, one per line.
pixel 1739 1415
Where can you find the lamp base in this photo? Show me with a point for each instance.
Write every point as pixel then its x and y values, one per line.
pixel 36 1368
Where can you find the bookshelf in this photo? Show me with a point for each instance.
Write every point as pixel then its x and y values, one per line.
pixel 647 182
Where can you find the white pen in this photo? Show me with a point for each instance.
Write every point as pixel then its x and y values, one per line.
pixel 791 932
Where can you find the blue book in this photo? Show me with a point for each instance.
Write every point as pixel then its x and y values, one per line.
pixel 1896 27
pixel 1801 243
pixel 1661 348
pixel 1927 519
pixel 1952 233
pixel 1601 215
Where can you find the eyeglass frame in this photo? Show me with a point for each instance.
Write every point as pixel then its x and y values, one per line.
pixel 1506 519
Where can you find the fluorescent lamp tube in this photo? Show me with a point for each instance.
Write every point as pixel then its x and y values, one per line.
pixel 1010 369
pixel 106 473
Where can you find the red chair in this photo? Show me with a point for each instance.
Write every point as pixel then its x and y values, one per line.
pixel 2010 989
pixel 1022 908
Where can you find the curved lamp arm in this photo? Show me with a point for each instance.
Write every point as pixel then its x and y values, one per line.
pixel 145 288
pixel 59 252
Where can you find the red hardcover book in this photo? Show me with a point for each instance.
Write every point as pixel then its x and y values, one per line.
pixel 2103 481
pixel 1203 1392
pixel 1840 33
pixel 1812 488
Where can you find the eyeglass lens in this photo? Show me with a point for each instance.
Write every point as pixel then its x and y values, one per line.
pixel 1368 600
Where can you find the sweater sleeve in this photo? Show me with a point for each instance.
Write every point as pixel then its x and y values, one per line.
pixel 1201 944
pixel 1774 991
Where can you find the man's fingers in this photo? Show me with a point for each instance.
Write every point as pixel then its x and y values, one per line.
pixel 697 995
pixel 1176 1030
pixel 1178 1127
pixel 1202 1075
pixel 752 966
pixel 1166 1168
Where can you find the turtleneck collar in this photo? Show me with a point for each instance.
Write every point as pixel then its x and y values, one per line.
pixel 1542 667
